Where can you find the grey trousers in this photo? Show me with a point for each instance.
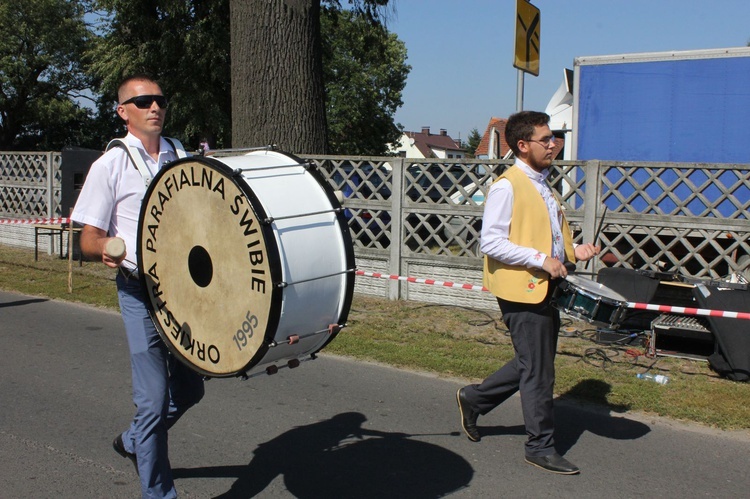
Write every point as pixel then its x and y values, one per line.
pixel 533 331
pixel 163 389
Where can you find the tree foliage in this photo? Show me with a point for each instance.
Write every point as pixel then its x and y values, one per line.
pixel 42 79
pixel 365 72
pixel 183 44
pixel 473 142
pixel 54 69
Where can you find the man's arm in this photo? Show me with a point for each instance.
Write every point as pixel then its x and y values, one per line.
pixel 495 237
pixel 93 242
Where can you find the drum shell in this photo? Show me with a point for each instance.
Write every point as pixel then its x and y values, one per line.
pixel 589 301
pixel 279 233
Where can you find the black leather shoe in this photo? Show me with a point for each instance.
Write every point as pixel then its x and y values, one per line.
pixel 554 463
pixel 118 446
pixel 468 417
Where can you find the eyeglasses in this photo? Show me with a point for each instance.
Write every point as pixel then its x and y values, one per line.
pixel 545 141
pixel 145 101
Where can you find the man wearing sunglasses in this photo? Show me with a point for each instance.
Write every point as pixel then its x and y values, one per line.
pixel 108 207
pixel 526 242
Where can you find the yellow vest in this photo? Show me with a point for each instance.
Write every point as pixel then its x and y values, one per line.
pixel 530 227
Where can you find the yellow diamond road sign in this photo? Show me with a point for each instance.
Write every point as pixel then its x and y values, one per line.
pixel 527 37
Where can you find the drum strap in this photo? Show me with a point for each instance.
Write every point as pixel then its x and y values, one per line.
pixel 177 146
pixel 137 160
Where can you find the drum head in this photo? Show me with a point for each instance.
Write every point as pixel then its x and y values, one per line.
pixel 595 288
pixel 208 266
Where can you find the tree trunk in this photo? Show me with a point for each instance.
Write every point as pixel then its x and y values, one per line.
pixel 277 75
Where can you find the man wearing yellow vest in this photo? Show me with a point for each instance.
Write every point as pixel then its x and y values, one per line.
pixel 526 242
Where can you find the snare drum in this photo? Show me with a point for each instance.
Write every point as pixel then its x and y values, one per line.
pixel 246 261
pixel 589 301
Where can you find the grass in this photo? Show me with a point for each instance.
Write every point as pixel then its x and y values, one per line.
pixel 457 342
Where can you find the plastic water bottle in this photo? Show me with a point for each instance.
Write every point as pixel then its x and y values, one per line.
pixel 657 378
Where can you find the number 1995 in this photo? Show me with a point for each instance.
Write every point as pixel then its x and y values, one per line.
pixel 246 331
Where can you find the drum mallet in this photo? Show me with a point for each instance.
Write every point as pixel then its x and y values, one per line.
pixel 115 248
pixel 598 231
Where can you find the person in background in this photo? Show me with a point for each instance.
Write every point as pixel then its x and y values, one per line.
pixel 526 242
pixel 109 206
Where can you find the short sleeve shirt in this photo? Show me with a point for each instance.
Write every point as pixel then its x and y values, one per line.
pixel 113 191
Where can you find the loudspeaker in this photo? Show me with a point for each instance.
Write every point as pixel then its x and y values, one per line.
pixel 732 335
pixel 634 287
pixel 74 167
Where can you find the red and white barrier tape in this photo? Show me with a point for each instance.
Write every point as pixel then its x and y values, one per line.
pixel 689 311
pixel 633 305
pixel 449 284
pixel 34 221
pixel 446 284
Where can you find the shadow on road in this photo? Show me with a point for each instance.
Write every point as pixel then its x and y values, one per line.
pixel 339 458
pixel 18 303
pixel 571 422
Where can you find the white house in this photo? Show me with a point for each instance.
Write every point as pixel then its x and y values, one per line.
pixel 428 145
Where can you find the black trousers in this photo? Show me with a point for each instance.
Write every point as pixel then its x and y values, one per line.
pixel 533 331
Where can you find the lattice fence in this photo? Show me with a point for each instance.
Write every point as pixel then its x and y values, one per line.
pixel 687 218
pixel 30 184
pixel 407 214
pixel 30 187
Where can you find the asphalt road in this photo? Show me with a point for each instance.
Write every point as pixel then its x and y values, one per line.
pixel 331 428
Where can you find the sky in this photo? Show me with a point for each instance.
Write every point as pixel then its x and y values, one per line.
pixel 461 51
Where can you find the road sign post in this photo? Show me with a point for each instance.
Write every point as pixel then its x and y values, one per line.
pixel 526 58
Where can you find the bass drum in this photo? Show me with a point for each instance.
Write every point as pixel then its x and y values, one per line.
pixel 246 261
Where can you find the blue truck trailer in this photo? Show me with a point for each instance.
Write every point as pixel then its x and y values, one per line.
pixel 686 106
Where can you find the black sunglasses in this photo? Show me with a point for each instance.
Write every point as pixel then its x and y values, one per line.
pixel 145 101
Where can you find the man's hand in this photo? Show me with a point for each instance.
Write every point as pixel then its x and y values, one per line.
pixel 554 268
pixel 585 252
pixel 93 243
pixel 113 252
pixel 115 248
